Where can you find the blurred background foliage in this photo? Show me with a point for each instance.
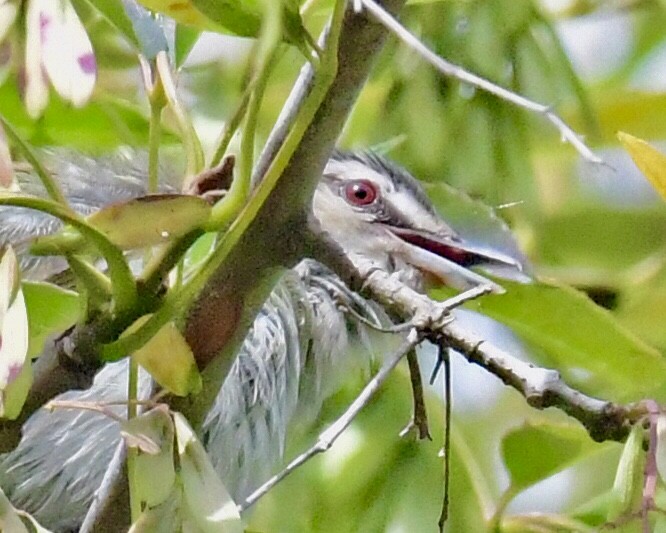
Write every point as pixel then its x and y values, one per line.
pixel 600 228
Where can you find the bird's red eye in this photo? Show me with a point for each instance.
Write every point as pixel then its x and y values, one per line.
pixel 360 192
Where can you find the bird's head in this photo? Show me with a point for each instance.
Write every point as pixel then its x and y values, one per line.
pixel 381 217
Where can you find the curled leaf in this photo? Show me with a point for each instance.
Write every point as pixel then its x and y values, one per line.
pixel 136 223
pixel 628 483
pixel 151 219
pixel 62 312
pixel 169 359
pixel 152 433
pixel 9 518
pixel 650 161
pixel 207 499
pixel 661 446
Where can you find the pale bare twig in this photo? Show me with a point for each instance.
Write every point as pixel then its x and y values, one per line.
pixel 331 434
pixel 419 419
pixel 95 407
pixel 541 387
pixel 442 315
pixel 444 357
pixel 455 71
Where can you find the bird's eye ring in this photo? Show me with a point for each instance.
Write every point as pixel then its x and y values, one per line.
pixel 360 192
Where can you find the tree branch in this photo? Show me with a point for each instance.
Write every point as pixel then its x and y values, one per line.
pixel 459 73
pixel 331 434
pixel 274 241
pixel 541 387
pixel 276 238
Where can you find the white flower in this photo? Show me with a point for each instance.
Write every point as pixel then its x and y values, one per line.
pixel 8 10
pixel 57 49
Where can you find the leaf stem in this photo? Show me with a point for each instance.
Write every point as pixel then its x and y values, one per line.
pixel 132 453
pixel 154 135
pixel 123 285
pixel 183 298
pixel 266 51
pixel 459 73
pixel 50 184
pixel 193 151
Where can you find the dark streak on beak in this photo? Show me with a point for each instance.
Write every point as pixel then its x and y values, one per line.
pixel 453 249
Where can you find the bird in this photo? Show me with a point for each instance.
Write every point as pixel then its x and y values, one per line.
pixel 299 350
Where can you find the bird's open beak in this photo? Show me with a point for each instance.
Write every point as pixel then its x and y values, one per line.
pixel 450 260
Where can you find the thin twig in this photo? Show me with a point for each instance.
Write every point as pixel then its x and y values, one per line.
pixel 85 406
pixel 446 360
pixel 330 435
pixel 455 71
pixel 443 311
pixel 541 387
pixel 419 419
pixel 395 328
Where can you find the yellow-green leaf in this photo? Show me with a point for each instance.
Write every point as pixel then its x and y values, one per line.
pixel 136 223
pixel 208 500
pixel 9 518
pixel 62 312
pixel 152 433
pixel 650 161
pixel 169 359
pixel 151 219
pixel 586 343
pixel 240 18
pixel 534 452
pixel 628 483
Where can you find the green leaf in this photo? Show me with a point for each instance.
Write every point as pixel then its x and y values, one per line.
pixel 240 17
pixel 9 519
pixel 103 124
pixel 136 223
pixel 584 342
pixel 628 483
pixel 598 244
pixel 169 359
pixel 544 523
pixel 163 518
pixel 650 161
pixel 660 453
pixel 209 502
pixel 237 19
pixel 642 306
pixel 114 12
pixel 534 452
pixel 186 38
pixel 152 433
pixel 51 310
